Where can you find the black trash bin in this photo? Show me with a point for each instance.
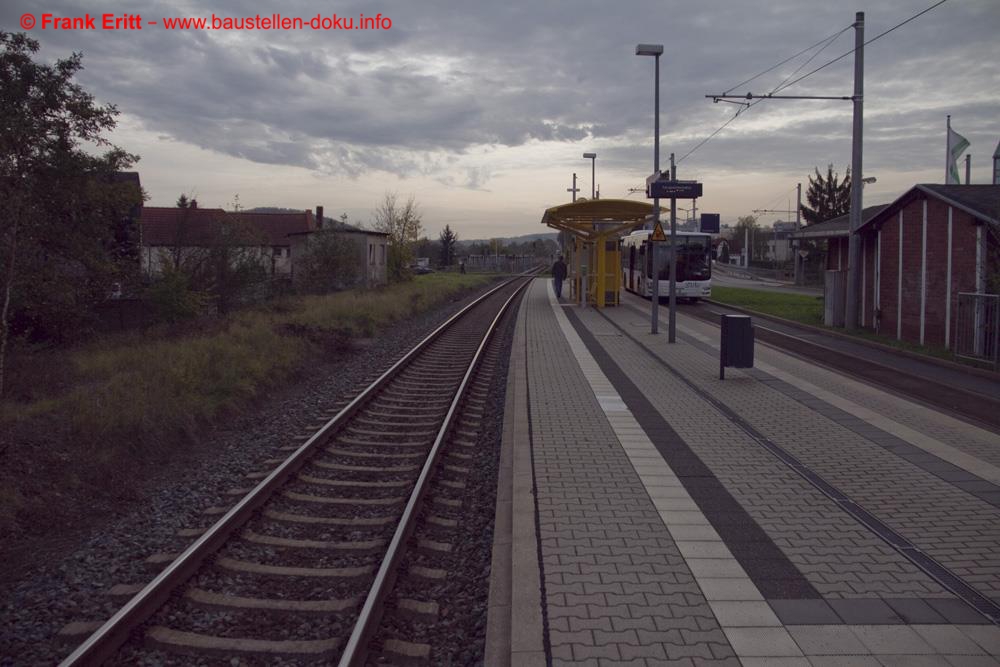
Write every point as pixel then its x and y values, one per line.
pixel 736 350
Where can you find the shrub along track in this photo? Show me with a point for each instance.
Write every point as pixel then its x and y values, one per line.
pixel 284 571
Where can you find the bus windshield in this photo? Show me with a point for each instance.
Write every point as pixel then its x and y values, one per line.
pixel 693 259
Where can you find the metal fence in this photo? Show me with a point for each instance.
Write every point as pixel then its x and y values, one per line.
pixel 977 327
pixel 503 263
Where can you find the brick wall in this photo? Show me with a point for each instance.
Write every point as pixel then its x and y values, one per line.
pixel 963 269
pixel 889 272
pixel 868 259
pixel 937 273
pixel 912 246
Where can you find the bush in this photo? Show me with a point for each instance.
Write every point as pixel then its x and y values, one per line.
pixel 330 264
pixel 173 299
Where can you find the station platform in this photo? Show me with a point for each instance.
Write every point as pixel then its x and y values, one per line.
pixel 649 513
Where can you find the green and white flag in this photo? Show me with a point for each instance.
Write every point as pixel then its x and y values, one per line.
pixel 956 146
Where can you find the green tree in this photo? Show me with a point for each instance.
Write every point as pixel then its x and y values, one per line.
pixel 447 238
pixel 402 222
pixel 237 255
pixel 746 229
pixel 214 254
pixel 62 222
pixel 330 263
pixel 828 197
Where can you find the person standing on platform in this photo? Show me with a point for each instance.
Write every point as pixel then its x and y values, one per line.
pixel 558 275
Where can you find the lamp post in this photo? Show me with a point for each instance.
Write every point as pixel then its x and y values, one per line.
pixel 655 50
pixel 593 168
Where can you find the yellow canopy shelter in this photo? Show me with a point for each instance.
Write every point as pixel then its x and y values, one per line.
pixel 595 258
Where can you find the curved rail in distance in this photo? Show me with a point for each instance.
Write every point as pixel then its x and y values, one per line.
pixel 371 612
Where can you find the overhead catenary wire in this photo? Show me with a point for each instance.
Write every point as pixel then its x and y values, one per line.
pixel 810 59
pixel 878 36
pixel 784 193
pixel 774 67
pixel 744 106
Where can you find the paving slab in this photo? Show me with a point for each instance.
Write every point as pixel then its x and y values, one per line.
pixel 673 519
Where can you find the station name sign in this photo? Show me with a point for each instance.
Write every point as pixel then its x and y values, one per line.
pixel 666 189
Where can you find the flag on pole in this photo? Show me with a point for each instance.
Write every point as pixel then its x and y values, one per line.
pixel 956 146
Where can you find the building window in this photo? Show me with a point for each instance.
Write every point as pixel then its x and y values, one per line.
pixel 371 254
pixel 382 254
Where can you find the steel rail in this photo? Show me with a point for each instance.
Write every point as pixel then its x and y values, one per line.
pixel 108 638
pixel 371 612
pixel 965 403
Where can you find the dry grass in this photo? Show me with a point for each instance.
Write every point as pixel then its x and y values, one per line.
pixel 138 398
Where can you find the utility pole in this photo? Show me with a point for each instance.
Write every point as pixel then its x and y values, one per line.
pixel 672 322
pixel 996 165
pixel 799 260
pixel 854 245
pixel 573 189
pixel 854 242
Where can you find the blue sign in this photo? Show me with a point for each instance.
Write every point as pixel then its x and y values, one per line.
pixel 709 223
pixel 673 190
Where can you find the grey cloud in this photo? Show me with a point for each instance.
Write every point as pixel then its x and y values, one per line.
pixel 449 77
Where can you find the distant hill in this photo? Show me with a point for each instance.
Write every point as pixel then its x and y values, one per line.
pixel 507 240
pixel 273 209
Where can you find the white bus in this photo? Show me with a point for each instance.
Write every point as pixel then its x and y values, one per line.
pixel 694 265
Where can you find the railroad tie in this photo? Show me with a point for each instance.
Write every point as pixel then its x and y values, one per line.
pixel 235 565
pixel 213 600
pixel 126 591
pixel 336 500
pixel 447 502
pixel 76 631
pixel 323 481
pixel 418 609
pixel 161 637
pixel 441 521
pixel 288 517
pixel 292 543
pixel 407 651
pixel 432 545
pixel 340 466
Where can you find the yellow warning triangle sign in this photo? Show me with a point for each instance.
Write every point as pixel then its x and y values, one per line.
pixel 658 234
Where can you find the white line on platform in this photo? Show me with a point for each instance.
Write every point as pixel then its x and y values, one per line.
pixel 927 443
pixel 736 602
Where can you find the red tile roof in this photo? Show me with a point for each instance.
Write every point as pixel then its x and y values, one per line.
pixel 277 226
pixel 169 226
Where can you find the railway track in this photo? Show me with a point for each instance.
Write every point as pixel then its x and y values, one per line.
pixel 981 408
pixel 302 568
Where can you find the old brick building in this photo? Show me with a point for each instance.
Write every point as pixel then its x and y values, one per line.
pixel 919 252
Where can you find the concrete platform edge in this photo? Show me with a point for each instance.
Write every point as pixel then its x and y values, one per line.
pixel 514 634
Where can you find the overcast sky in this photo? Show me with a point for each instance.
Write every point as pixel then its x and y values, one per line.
pixel 483 110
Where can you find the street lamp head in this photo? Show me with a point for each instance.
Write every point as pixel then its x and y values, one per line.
pixel 649 49
pixel 869 179
pixel 590 155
